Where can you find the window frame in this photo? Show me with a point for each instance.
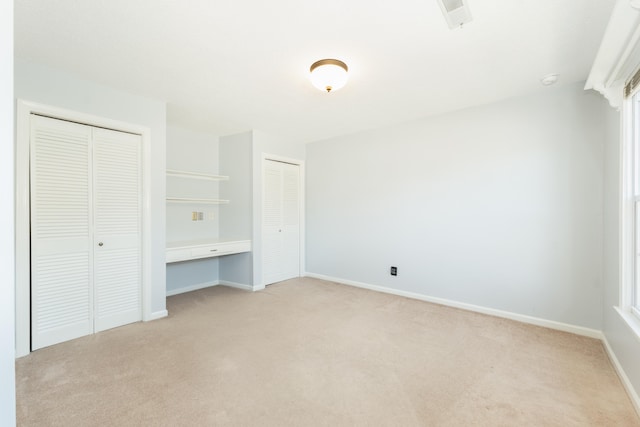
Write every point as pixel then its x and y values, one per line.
pixel 629 307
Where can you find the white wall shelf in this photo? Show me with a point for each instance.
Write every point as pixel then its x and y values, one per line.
pixel 197 200
pixel 196 175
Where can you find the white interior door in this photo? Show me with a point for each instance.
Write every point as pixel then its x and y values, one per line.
pixel 61 251
pixel 280 221
pixel 85 230
pixel 117 237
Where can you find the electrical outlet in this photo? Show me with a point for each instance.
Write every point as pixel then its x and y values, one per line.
pixel 200 216
pixel 394 271
pixel 211 216
pixel 194 216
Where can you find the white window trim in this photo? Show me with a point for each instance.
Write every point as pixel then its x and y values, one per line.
pixel 617 59
pixel 618 54
pixel 626 309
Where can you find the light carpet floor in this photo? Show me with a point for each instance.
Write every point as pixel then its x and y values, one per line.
pixel 311 353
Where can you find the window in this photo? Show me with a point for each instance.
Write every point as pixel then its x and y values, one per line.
pixel 630 237
pixel 633 134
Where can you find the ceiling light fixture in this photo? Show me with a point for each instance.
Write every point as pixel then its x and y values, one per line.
pixel 549 79
pixel 456 12
pixel 328 74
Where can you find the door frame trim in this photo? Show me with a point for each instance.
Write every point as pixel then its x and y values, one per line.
pixel 24 109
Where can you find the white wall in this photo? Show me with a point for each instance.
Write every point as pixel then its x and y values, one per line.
pixel 7 205
pixel 622 340
pixel 192 151
pixel 498 206
pixel 37 83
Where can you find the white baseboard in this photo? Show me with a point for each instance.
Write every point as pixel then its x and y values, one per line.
pixel 633 395
pixel 157 315
pixel 578 330
pixel 236 285
pixel 192 288
pixel 214 283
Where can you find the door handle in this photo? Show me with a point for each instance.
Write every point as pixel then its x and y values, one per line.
pixel 100 244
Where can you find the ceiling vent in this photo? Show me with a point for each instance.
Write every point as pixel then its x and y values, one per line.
pixel 456 12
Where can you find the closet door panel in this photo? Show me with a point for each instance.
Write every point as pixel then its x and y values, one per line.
pixel 272 223
pixel 290 220
pixel 281 221
pixel 117 242
pixel 61 252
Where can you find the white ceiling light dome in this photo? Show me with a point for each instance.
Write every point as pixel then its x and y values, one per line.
pixel 329 74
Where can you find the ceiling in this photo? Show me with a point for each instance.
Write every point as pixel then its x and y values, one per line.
pixel 227 66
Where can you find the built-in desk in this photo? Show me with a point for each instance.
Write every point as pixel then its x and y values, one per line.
pixel 207 248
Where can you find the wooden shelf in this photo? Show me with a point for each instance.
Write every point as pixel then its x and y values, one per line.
pixel 194 200
pixel 196 175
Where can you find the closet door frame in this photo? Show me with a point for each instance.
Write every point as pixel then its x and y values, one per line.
pixel 258 278
pixel 24 109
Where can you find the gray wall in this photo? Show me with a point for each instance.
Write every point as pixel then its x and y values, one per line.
pixel 498 206
pixel 7 206
pixel 235 218
pixel 241 158
pixel 192 151
pixel 57 88
pixel 622 340
pixel 189 275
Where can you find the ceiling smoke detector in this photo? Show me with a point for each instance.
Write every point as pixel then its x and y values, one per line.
pixel 456 12
pixel 549 79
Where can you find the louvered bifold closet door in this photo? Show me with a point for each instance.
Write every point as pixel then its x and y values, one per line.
pixel 272 223
pixel 117 243
pixel 280 221
pixel 290 220
pixel 61 252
